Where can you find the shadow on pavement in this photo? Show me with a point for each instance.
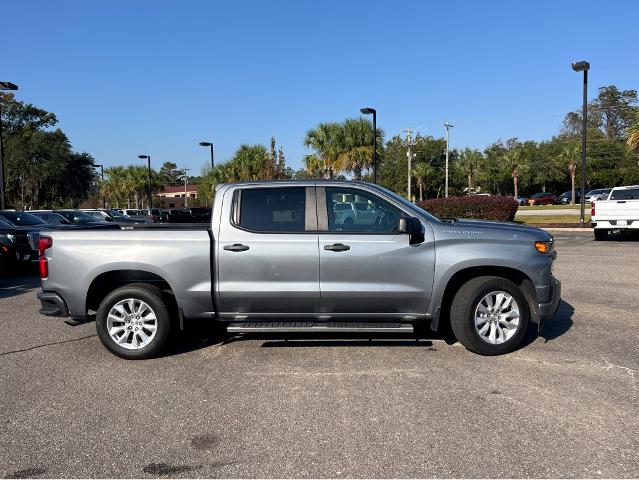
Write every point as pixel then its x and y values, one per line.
pixel 559 324
pixel 17 284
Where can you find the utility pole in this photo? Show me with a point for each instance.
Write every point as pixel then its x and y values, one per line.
pixel 409 143
pixel 448 127
pixel 186 179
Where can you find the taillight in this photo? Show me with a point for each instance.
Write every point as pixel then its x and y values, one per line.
pixel 592 209
pixel 43 244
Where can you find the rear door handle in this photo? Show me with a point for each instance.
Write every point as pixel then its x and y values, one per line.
pixel 337 247
pixel 236 247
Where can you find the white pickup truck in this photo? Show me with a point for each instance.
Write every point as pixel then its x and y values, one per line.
pixel 619 212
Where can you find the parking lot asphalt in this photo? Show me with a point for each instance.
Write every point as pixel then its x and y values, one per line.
pixel 565 405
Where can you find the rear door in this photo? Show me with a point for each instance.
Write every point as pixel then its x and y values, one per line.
pixel 268 261
pixel 367 267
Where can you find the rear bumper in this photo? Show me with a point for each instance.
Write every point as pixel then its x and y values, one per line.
pixel 613 224
pixel 547 310
pixel 53 304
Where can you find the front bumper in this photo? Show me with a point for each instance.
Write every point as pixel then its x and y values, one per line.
pixel 53 304
pixel 548 310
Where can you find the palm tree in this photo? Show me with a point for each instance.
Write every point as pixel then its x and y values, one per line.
pixel 355 141
pixel 469 161
pixel 516 163
pixel 633 134
pixel 569 155
pixel 324 140
pixel 420 171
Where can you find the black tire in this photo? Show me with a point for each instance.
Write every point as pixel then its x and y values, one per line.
pixel 601 234
pixel 462 314
pixel 153 297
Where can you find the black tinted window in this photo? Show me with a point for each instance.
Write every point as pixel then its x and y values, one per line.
pixel 273 209
pixel 366 212
pixel 626 194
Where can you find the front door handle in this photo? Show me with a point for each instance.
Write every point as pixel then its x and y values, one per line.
pixel 337 247
pixel 236 247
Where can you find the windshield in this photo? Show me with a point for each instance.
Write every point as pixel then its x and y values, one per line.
pixel 22 218
pixel 115 215
pixel 77 217
pixel 410 205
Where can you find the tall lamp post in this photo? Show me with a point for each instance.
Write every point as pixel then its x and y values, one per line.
pixel 583 66
pixel 150 197
pixel 448 127
pixel 369 111
pixel 209 144
pixel 3 86
pixel 101 175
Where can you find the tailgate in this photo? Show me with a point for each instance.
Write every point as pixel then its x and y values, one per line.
pixel 617 210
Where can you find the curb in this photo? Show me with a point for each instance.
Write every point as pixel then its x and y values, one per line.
pixel 562 229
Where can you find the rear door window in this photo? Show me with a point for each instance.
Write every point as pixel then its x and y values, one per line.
pixel 625 194
pixel 272 209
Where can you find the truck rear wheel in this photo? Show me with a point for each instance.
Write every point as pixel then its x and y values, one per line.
pixel 601 234
pixel 489 315
pixel 133 321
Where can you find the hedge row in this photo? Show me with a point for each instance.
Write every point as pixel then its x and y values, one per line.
pixel 484 207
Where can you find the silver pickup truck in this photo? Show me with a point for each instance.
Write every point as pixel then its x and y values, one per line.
pixel 278 257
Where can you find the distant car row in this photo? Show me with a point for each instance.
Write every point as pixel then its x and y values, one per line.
pixel 20 231
pixel 565 198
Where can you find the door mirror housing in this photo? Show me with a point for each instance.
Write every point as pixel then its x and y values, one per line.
pixel 409 225
pixel 413 227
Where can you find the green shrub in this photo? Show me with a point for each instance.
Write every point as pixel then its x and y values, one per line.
pixel 484 207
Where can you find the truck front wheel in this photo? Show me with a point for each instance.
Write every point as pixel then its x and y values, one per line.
pixel 489 315
pixel 133 321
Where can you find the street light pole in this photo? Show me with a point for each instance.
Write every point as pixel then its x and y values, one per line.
pixel 209 144
pixel 583 66
pixel 3 86
pixel 150 197
pixel 186 179
pixel 448 127
pixel 369 111
pixel 102 175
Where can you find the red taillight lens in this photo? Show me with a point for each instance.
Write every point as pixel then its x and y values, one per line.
pixel 592 210
pixel 43 244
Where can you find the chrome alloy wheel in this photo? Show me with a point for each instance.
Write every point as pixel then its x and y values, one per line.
pixel 497 317
pixel 132 324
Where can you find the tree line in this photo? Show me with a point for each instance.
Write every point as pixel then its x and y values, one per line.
pixel 42 170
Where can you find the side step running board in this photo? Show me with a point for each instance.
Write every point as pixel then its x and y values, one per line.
pixel 308 327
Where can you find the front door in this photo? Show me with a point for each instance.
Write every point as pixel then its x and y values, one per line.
pixel 268 261
pixel 366 266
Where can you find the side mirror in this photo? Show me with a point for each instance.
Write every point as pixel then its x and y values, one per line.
pixel 410 225
pixel 413 227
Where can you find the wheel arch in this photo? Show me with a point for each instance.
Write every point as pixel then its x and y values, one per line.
pixel 108 281
pixel 518 277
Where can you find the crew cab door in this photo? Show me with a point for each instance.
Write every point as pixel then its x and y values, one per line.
pixel 368 267
pixel 267 254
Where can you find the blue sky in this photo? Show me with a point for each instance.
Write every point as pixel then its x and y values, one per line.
pixel 157 77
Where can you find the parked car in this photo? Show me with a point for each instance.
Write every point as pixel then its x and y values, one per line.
pixel 542 199
pixel 619 212
pixel 522 201
pixel 76 218
pixel 598 194
pixel 282 264
pixel 18 242
pixel 52 218
pixel 7 251
pixel 108 215
pixel 177 215
pixel 199 214
pixel 566 197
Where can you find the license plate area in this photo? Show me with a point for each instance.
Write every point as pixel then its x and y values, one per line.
pixel 622 223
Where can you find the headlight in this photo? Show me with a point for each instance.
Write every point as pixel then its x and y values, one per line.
pixel 11 237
